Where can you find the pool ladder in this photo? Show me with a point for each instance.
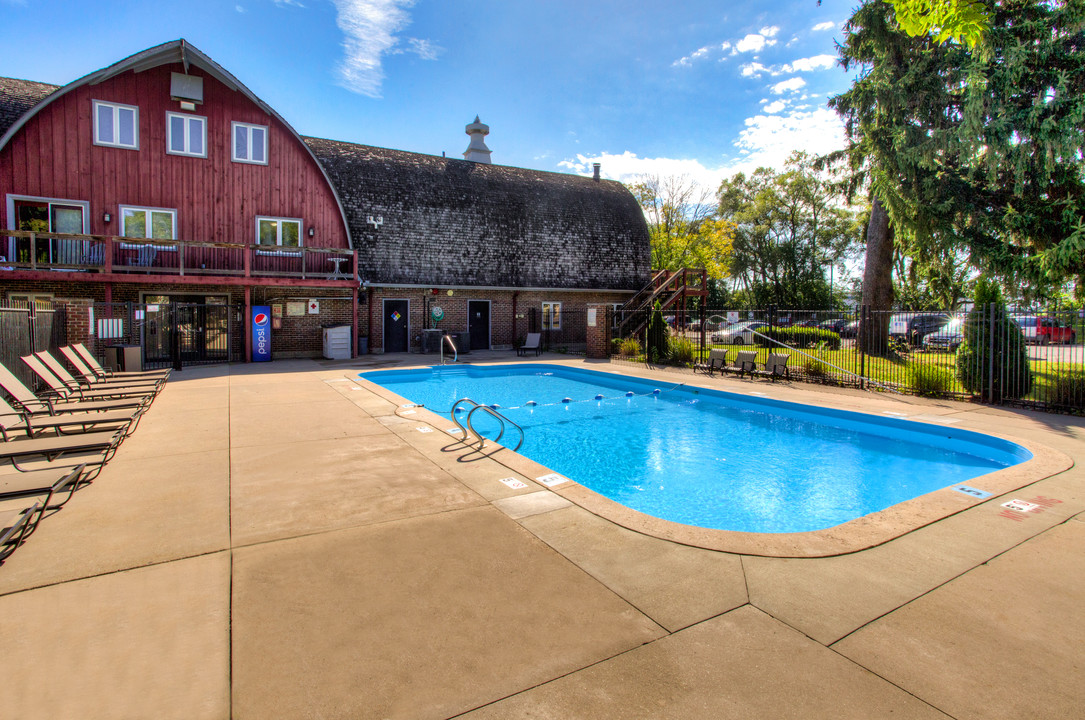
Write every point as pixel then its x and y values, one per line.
pixel 469 428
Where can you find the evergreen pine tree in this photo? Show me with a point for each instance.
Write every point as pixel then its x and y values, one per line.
pixel 993 360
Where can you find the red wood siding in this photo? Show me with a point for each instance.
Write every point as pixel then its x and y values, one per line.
pixel 217 200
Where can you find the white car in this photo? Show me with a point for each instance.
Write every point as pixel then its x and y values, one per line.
pixel 741 333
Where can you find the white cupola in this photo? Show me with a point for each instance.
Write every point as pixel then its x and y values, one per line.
pixel 477 151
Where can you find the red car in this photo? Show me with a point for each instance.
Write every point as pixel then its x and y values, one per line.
pixel 1045 330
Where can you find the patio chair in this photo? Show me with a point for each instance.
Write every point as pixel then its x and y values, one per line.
pixel 28 402
pixel 79 350
pixel 531 342
pixel 144 256
pixel 15 526
pixel 776 366
pixel 717 362
pixel 14 424
pixel 74 391
pixel 745 362
pixel 42 482
pixel 88 379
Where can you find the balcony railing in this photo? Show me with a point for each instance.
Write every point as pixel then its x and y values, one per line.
pixel 20 250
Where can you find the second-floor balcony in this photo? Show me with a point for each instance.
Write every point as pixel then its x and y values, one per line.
pixel 130 259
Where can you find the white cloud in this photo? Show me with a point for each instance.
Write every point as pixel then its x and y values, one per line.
pixel 817 62
pixel 753 69
pixel 771 138
pixel 791 85
pixel 775 107
pixel 285 3
pixel 688 60
pixel 766 141
pixel 370 28
pixel 752 43
pixel 770 31
pixel 821 27
pixel 239 8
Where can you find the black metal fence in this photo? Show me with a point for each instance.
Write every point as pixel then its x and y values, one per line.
pixel 168 334
pixel 26 329
pixel 1033 359
pixel 560 331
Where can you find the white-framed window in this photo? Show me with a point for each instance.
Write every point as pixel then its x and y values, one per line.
pixel 23 299
pixel 249 143
pixel 285 232
pixel 116 125
pixel 551 316
pixel 186 135
pixel 145 222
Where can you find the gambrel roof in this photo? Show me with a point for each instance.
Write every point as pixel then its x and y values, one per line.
pixel 427 220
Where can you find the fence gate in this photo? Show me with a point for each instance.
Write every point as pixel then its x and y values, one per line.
pixel 172 334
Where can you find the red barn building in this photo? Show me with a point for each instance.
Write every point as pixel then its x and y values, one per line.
pixel 163 182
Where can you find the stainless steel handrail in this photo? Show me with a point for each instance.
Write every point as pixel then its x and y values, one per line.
pixel 456 356
pixel 469 428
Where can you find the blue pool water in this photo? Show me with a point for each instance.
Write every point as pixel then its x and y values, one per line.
pixel 705 457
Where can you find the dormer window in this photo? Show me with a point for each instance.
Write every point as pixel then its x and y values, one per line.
pixel 116 125
pixel 250 143
pixel 186 135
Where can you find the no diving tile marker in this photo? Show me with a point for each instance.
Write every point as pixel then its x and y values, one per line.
pixel 424 429
pixel 552 479
pixel 974 492
pixel 513 483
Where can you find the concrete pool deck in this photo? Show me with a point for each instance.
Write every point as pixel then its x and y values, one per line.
pixel 276 542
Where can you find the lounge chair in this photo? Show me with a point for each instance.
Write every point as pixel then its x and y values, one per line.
pixel 745 362
pixel 92 362
pixel 15 526
pixel 717 362
pixel 98 446
pixel 15 424
pixel 62 390
pixel 28 402
pixel 42 482
pixel 531 342
pixel 79 350
pixel 149 385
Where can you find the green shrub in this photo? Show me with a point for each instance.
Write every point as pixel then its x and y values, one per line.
pixel 629 346
pixel 1068 391
pixel 803 337
pixel 681 350
pixel 656 344
pixel 992 361
pixel 929 380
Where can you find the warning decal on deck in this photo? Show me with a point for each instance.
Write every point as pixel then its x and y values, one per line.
pixel 552 479
pixel 974 492
pixel 513 483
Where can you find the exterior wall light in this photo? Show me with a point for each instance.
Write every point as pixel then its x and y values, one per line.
pixel 106 217
pixel 312 231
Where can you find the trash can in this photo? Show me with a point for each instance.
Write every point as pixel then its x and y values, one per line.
pixel 463 341
pixel 337 342
pixel 431 340
pixel 363 345
pixel 124 358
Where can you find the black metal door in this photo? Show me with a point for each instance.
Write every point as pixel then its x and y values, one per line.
pixel 396 325
pixel 478 323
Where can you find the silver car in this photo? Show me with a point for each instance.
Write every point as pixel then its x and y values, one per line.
pixel 741 333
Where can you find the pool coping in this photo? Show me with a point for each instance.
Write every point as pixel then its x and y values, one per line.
pixel 862 533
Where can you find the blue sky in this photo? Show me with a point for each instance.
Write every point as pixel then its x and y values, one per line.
pixel 687 87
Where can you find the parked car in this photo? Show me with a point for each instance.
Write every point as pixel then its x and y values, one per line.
pixel 836 325
pixel 850 330
pixel 1045 330
pixel 712 322
pixel 914 327
pixel 741 333
pixel 948 338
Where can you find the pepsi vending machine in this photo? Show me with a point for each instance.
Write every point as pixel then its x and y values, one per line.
pixel 261 333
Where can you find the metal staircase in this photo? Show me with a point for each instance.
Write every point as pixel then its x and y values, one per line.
pixel 670 288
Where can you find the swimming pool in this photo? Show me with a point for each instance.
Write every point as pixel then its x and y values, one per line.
pixel 708 458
